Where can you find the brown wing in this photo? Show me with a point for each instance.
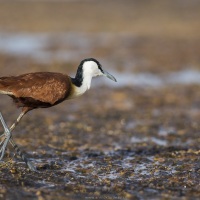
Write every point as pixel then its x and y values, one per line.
pixel 42 86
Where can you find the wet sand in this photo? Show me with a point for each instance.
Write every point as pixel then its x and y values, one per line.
pixel 137 139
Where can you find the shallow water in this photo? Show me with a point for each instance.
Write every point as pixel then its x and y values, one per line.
pixel 48 47
pixel 69 46
pixel 130 79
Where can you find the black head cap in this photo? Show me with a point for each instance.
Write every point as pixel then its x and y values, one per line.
pixel 79 74
pixel 91 59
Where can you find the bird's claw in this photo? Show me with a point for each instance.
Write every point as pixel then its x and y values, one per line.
pixel 31 166
pixel 4 144
pixel 2 135
pixel 6 135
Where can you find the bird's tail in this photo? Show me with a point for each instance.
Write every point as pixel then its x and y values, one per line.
pixel 4 87
pixel 1 85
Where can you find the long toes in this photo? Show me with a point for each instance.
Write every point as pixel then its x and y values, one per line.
pixel 2 151
pixel 2 135
pixel 2 142
pixel 31 166
pixel 3 148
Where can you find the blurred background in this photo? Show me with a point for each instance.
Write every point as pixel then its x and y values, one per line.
pixel 129 37
pixel 151 47
pixel 153 50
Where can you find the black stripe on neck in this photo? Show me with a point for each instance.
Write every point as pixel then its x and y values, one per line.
pixel 78 80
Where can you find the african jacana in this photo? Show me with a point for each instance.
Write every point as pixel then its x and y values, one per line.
pixel 43 90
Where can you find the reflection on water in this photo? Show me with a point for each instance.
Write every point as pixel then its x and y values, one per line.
pixel 149 139
pixel 165 131
pixel 70 46
pixel 48 47
pixel 184 77
pixel 40 46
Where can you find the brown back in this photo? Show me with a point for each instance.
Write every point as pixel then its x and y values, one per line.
pixel 42 86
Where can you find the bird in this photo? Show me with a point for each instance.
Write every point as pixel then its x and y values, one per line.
pixel 43 90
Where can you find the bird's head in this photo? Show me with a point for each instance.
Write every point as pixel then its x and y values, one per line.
pixel 92 68
pixel 88 69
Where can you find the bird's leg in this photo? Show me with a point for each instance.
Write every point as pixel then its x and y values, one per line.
pixel 7 135
pixel 8 138
pixel 23 156
pixel 13 126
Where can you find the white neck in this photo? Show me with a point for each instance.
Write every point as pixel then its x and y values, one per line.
pixel 84 87
pixel 89 69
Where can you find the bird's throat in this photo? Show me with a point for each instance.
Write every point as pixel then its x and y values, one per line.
pixel 80 88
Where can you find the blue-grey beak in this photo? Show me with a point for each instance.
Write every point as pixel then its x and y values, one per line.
pixel 105 73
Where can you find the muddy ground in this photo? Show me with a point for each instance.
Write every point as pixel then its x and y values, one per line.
pixel 135 139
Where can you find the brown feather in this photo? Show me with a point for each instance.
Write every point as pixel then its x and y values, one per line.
pixel 40 89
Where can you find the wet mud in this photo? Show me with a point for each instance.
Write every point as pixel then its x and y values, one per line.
pixel 138 144
pixel 136 139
